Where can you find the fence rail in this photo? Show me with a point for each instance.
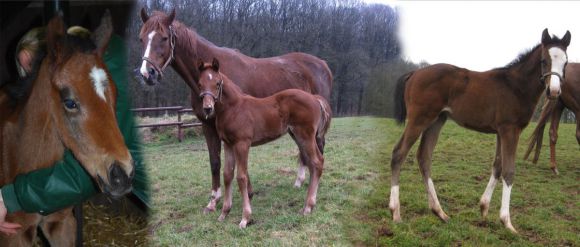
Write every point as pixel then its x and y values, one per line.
pixel 180 110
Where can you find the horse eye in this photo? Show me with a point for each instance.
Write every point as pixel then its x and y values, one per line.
pixel 70 104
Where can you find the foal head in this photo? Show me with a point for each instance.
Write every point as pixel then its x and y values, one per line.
pixel 211 85
pixel 158 40
pixel 81 104
pixel 554 60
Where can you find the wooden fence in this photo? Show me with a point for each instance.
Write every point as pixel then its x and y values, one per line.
pixel 180 110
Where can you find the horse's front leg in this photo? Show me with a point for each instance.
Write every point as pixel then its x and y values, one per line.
pixel 59 228
pixel 228 177
pixel 214 146
pixel 241 151
pixel 509 137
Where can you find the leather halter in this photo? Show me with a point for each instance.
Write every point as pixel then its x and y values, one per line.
pixel 220 87
pixel 172 45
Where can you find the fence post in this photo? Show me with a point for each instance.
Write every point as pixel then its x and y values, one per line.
pixel 179 131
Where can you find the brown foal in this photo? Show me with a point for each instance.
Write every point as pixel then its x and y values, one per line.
pixel 500 101
pixel 69 104
pixel 552 111
pixel 243 121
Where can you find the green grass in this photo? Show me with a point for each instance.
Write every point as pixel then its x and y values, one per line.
pixel 352 206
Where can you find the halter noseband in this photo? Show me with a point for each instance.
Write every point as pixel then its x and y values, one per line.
pixel 549 73
pixel 220 87
pixel 172 45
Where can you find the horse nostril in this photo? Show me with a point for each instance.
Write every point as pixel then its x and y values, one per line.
pixel 207 110
pixel 151 71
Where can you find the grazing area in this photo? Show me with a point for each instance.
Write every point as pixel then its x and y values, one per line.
pixel 352 205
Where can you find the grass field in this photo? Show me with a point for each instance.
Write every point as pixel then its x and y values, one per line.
pixel 352 206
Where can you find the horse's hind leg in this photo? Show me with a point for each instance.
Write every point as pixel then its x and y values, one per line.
pixel 555 122
pixel 410 136
pixel 316 166
pixel 301 173
pixel 495 175
pixel 424 156
pixel 59 228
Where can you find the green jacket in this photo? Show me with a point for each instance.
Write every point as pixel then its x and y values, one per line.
pixel 66 183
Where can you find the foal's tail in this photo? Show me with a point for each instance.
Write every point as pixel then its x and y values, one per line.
pixel 324 123
pixel 537 136
pixel 400 109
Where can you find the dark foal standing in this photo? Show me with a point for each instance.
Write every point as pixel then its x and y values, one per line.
pixel 169 42
pixel 552 111
pixel 243 121
pixel 499 101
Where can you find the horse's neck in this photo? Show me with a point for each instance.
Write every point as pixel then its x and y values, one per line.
pixel 528 73
pixel 231 95
pixel 30 138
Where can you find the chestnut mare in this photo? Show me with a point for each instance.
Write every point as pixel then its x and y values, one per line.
pixel 552 110
pixel 243 121
pixel 169 42
pixel 68 104
pixel 499 101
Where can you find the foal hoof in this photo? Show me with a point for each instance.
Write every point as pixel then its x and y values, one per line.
pixel 484 208
pixel 555 170
pixel 306 211
pixel 207 210
pixel 243 224
pixel 508 224
pixel 297 184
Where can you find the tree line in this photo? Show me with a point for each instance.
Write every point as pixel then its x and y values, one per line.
pixel 358 41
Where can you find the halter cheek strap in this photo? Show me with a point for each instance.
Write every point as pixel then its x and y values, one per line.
pixel 171 54
pixel 220 90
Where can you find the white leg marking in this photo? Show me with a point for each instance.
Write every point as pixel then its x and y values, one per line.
pixel 394 202
pixel 300 175
pixel 100 81
pixel 486 197
pixel 143 69
pixel 505 201
pixel 215 196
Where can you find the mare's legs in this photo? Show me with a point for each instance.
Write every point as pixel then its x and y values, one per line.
pixel 578 127
pixel 495 175
pixel 59 228
pixel 509 141
pixel 410 135
pixel 424 156
pixel 214 146
pixel 555 122
pixel 241 151
pixel 228 177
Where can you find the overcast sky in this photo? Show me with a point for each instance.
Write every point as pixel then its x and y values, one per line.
pixel 482 35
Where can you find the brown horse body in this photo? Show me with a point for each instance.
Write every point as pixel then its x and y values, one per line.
pixel 61 109
pixel 499 101
pixel 243 121
pixel 552 111
pixel 259 77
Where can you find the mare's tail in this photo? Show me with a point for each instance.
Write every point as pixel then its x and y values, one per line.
pixel 537 136
pixel 400 109
pixel 324 123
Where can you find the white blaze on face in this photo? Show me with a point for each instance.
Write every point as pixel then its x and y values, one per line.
pixel 209 76
pixel 559 59
pixel 143 69
pixel 100 81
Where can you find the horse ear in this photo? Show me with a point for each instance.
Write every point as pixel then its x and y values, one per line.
pixel 144 16
pixel 546 37
pixel 170 18
pixel 200 64
pixel 102 34
pixel 54 36
pixel 215 64
pixel 566 39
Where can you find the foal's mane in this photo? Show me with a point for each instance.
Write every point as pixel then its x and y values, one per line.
pixel 525 55
pixel 19 90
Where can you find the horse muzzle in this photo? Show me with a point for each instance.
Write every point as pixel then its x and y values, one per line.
pixel 150 77
pixel 120 183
